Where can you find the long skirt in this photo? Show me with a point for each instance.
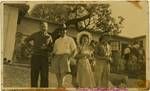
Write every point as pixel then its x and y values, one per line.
pixel 85 76
pixel 101 71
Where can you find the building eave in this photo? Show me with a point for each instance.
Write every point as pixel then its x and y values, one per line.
pixel 138 37
pixel 19 6
pixel 38 19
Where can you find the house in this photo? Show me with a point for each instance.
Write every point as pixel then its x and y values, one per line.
pixel 12 16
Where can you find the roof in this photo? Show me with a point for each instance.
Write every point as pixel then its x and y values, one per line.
pixel 38 19
pixel 20 6
pixel 143 36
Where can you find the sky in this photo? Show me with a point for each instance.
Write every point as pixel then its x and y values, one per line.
pixel 136 19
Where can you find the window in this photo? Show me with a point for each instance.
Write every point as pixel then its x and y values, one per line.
pixel 115 45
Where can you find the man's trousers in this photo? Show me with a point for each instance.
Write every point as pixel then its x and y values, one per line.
pixel 39 68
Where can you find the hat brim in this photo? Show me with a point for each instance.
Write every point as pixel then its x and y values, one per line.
pixel 81 34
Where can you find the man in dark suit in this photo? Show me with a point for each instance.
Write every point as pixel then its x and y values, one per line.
pixel 39 61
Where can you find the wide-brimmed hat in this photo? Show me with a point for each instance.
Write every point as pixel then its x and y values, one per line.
pixel 82 34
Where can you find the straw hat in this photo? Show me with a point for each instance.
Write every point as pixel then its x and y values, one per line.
pixel 84 33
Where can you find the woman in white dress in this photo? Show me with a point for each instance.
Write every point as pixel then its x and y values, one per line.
pixel 85 76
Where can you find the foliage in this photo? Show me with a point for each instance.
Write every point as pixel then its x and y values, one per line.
pixel 90 17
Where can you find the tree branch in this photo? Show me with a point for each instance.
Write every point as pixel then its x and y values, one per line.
pixel 74 21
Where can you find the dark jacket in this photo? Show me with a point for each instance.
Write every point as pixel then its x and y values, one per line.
pixel 40 47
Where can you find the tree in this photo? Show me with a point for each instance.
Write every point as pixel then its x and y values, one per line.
pixel 89 17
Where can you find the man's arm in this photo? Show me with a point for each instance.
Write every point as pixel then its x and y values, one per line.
pixel 30 38
pixel 54 47
pixel 49 40
pixel 50 43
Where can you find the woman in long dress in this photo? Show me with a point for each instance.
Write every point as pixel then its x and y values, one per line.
pixel 101 69
pixel 85 76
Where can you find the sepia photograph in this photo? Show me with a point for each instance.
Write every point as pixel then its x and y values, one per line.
pixel 67 44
